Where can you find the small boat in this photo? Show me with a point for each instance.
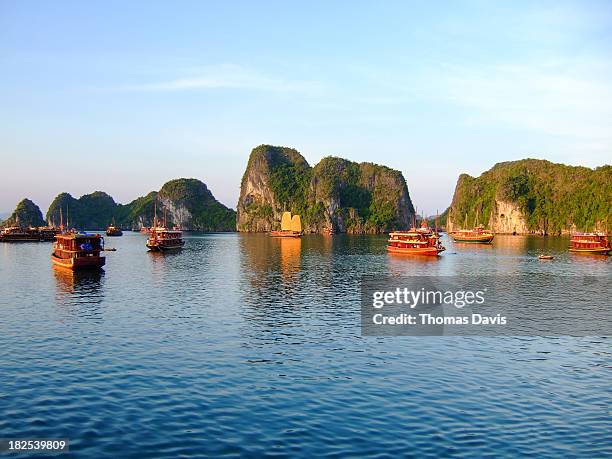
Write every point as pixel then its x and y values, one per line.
pixel 291 226
pixel 546 257
pixel 162 239
pixel 113 230
pixel 76 251
pixel 596 242
pixel 478 234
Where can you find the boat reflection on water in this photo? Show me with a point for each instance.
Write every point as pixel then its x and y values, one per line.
pixel 402 264
pixel 75 288
pixel 290 257
pixel 476 246
pixel 264 260
pixel 508 244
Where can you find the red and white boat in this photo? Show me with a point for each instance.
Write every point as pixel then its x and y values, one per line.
pixel 590 243
pixel 415 242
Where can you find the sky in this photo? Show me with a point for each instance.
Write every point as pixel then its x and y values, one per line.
pixel 123 96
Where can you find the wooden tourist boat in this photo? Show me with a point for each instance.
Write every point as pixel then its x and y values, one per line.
pixel 18 234
pixel 162 239
pixel 545 257
pixel 291 226
pixel 113 230
pixel 415 242
pixel 590 243
pixel 76 251
pixel 478 234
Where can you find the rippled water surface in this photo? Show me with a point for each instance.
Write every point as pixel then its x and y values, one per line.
pixel 248 345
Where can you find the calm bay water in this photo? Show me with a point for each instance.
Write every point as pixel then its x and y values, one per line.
pixel 248 345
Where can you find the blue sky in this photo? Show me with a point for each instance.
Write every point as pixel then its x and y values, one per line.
pixel 123 96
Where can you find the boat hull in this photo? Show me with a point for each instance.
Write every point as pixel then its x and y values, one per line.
pixel 426 251
pixel 598 250
pixel 21 238
pixel 474 239
pixel 285 233
pixel 78 264
pixel 164 247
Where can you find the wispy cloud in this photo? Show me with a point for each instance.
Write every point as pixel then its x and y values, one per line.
pixel 227 77
pixel 562 98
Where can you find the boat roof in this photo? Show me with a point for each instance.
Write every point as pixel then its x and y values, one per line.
pixel 162 229
pixel 77 236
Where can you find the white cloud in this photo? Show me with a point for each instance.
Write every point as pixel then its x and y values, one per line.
pixel 227 76
pixel 561 98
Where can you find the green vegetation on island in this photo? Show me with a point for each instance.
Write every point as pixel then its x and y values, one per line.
pixel 336 194
pixel 26 214
pixel 536 195
pixel 184 202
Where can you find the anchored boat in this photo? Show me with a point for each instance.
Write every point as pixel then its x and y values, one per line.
pixel 416 241
pixel 76 251
pixel 161 238
pixel 113 230
pixel 291 226
pixel 590 243
pixel 18 234
pixel 478 234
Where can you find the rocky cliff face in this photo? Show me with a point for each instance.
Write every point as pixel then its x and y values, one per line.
pixel 273 178
pixel 533 197
pixel 336 194
pixel 26 214
pixel 189 204
pixel 184 202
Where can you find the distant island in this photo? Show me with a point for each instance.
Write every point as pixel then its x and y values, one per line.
pixel 533 196
pixel 188 204
pixel 336 195
pixel 529 196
